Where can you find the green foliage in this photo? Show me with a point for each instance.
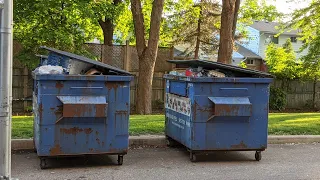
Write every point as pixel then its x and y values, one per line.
pixel 258 10
pixel 307 20
pixel 64 25
pixel 184 21
pixel 277 99
pixel 282 62
pixel 243 64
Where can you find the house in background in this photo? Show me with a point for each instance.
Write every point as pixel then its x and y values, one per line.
pixel 242 54
pixel 239 55
pixel 261 34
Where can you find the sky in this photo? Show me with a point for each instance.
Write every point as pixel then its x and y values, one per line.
pixel 288 7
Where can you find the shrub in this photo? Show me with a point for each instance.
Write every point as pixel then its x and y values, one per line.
pixel 277 99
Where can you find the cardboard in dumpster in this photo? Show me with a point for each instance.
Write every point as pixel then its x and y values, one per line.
pixel 217 69
pixel 79 65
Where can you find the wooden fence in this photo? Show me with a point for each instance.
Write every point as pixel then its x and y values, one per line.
pixel 300 95
pixel 124 57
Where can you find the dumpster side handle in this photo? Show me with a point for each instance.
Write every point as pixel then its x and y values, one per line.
pixel 231 106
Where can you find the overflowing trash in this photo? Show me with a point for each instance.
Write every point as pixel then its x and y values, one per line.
pixel 60 62
pixel 203 68
pixel 48 69
pixel 198 72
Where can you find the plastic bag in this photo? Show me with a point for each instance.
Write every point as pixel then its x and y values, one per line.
pixel 47 69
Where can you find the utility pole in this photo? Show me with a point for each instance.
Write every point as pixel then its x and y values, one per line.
pixel 6 22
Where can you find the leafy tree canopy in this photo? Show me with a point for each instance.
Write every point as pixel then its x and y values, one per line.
pixel 307 20
pixel 258 10
pixel 62 24
pixel 282 62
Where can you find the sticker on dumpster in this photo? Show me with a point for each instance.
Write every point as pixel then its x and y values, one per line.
pixel 179 104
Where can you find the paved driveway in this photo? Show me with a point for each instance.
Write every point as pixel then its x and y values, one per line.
pixel 278 162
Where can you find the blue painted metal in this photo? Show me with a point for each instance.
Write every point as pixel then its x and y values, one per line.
pixel 78 114
pixel 81 114
pixel 226 113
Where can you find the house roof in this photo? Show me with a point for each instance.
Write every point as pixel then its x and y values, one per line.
pixel 271 27
pixel 246 52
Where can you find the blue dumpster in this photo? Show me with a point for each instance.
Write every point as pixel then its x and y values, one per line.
pixel 81 114
pixel 218 114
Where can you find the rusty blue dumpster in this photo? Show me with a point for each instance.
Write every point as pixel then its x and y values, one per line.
pixel 79 114
pixel 218 114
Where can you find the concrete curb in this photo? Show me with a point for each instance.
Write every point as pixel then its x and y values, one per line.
pixel 160 141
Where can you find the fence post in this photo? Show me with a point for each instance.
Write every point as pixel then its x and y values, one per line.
pixel 101 52
pixel 172 57
pixel 314 93
pixel 127 55
pixel 25 87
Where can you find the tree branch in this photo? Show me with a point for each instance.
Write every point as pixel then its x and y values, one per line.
pixel 235 19
pixel 156 16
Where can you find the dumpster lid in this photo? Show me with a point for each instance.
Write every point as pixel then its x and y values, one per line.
pixel 231 71
pixel 88 62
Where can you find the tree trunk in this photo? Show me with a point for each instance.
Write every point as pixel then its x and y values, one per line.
pixel 196 53
pixel 147 54
pixel 226 31
pixel 145 80
pixel 107 28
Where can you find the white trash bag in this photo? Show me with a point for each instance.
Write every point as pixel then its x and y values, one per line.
pixel 48 69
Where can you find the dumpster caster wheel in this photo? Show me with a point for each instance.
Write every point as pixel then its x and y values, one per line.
pixel 120 160
pixel 258 155
pixel 43 164
pixel 170 143
pixel 193 157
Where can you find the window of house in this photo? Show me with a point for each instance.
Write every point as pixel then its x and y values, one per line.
pixel 275 40
pixel 293 39
pixel 271 38
pixel 250 61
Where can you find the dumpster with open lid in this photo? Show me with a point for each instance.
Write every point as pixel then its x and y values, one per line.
pixel 218 113
pixel 77 114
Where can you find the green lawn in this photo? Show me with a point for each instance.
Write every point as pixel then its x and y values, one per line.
pixel 279 124
pixel 294 124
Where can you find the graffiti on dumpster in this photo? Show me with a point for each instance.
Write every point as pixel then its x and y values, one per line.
pixel 179 104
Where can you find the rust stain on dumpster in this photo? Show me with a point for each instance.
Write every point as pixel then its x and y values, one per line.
pixel 40 111
pixel 56 150
pixel 114 85
pixel 88 131
pixel 100 110
pixel 75 130
pixel 59 85
pixel 84 110
pixel 242 145
pixel 98 141
pixel 72 131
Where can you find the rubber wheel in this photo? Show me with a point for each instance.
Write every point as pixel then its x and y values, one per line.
pixel 120 160
pixel 43 163
pixel 258 155
pixel 193 157
pixel 170 142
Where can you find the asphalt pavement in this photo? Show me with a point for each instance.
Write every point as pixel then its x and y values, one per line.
pixel 284 162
